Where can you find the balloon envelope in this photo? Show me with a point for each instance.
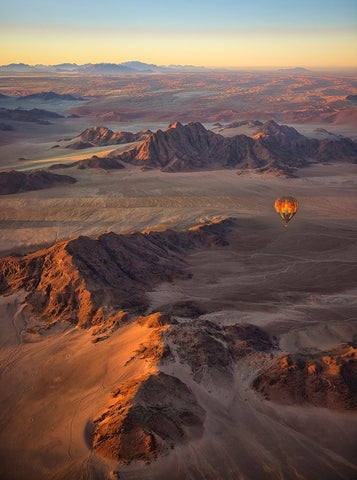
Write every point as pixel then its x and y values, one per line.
pixel 286 207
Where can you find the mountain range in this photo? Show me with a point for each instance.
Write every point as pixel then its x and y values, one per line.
pixel 132 67
pixel 273 148
pixel 129 68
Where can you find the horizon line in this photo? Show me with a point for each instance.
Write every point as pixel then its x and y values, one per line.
pixel 216 67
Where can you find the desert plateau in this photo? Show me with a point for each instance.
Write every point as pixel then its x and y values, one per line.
pixel 158 321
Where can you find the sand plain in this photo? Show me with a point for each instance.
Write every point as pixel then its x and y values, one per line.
pixel 131 199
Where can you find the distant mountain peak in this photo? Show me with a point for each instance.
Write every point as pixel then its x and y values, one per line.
pixel 294 70
pixel 174 125
pixel 272 128
pixel 102 68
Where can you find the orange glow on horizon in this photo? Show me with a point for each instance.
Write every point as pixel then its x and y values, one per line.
pixel 239 49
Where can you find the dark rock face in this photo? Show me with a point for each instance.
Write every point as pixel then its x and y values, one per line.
pixel 245 339
pixel 326 379
pixel 211 350
pixel 75 281
pixel 352 98
pixel 79 145
pixel 184 308
pixel 202 350
pixel 12 181
pixel 179 148
pixel 151 415
pixel 99 163
pixel 275 148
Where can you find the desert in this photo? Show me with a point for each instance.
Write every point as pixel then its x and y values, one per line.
pixel 158 320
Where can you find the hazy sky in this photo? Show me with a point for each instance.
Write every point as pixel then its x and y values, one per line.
pixel 309 33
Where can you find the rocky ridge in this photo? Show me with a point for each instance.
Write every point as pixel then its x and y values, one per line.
pixel 12 181
pixel 101 136
pixel 324 379
pixel 86 282
pixel 276 148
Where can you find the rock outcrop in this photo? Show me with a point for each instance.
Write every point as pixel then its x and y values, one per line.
pixel 99 163
pixel 101 136
pixel 178 148
pixel 211 350
pixel 327 379
pixel 153 413
pixel 79 145
pixel 150 416
pixel 82 281
pixel 12 181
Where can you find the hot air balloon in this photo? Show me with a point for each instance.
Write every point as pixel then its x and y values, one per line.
pixel 286 207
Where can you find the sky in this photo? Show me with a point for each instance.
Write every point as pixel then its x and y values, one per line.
pixel 225 33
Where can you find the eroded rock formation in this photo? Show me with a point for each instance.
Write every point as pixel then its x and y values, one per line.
pixel 101 136
pixel 150 415
pixel 273 148
pixel 325 379
pixel 82 280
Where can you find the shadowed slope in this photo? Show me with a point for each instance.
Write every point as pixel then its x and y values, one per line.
pixel 150 415
pixel 12 181
pixel 83 280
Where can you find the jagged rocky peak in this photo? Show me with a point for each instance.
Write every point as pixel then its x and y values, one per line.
pixel 96 135
pixel 174 125
pixel 104 136
pixel 276 149
pixel 178 148
pixel 188 127
pixel 271 128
